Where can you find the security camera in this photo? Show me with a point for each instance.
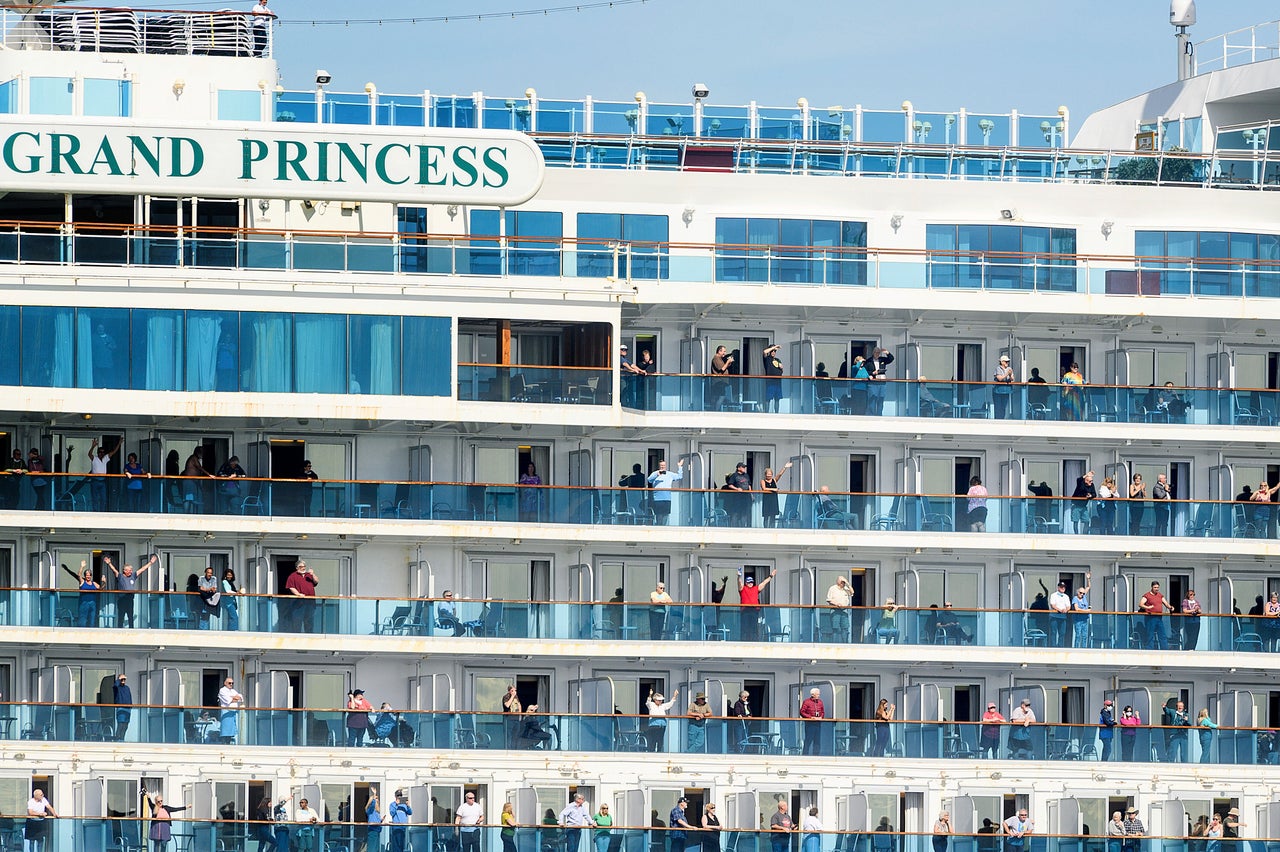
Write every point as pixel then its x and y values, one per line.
pixel 323 78
pixel 700 90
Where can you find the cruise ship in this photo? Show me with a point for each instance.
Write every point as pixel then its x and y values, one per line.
pixel 963 423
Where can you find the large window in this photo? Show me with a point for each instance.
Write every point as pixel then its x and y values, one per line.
pixel 533 242
pixel 51 95
pixel 1001 257
pixel 1211 263
pixel 642 239
pixel 791 251
pixel 230 351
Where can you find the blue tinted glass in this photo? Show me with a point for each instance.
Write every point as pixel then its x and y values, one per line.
pixel 401 111
pixel 375 355
pixel 102 348
pixel 10 340
pixel 296 106
pixel 506 114
pixel 731 231
pixel 239 106
pixel 726 123
pixel 646 228
pixel 320 353
pixel 483 260
pixel 1213 244
pixel 972 237
pixel 347 109
pixel 1005 238
pixel 266 352
pixel 1244 246
pixel 411 222
pixel 619 119
pixel 428 353
pixel 157 350
pixel 762 232
pixel 794 232
pixel 669 120
pixel 455 112
pixel 1149 243
pixel 110 98
pixel 883 126
pixel 48 349
pixel 1063 241
pixel 780 123
pixel 595 259
pixel 529 257
pixel 213 351
pixel 50 95
pixel 987 130
pixel 9 96
pixel 560 116
pixel 1035 240
pixel 940 237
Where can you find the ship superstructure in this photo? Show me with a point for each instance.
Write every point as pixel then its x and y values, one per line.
pixel 403 340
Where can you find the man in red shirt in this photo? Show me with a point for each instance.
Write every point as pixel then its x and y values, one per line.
pixel 300 586
pixel 1154 605
pixel 812 711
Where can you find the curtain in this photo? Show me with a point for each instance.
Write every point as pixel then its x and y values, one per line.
pixel 382 359
pixel 84 350
pixel 163 345
pixel 268 368
pixel 203 333
pixel 63 350
pixel 321 354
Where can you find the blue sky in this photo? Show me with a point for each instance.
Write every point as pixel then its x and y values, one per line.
pixel 986 55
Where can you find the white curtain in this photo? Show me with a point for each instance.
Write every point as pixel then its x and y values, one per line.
pixel 164 351
pixel 382 360
pixel 63 366
pixel 203 334
pixel 269 369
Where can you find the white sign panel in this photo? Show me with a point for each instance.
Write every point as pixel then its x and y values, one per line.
pixel 276 160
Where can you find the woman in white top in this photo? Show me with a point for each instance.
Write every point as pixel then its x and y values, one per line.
pixel 656 733
pixel 1107 510
pixel 942 832
pixel 812 828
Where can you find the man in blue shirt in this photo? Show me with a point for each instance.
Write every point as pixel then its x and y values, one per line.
pixel 679 826
pixel 400 813
pixel 573 819
pixel 661 481
pixel 123 698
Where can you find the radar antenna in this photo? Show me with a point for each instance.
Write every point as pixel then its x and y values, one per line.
pixel 1182 14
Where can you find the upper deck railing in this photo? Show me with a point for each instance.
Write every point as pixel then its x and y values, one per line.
pixel 594 260
pixel 1256 43
pixel 141 31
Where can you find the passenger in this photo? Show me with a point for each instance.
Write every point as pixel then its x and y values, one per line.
pixel 1022 718
pixel 812 827
pixel 1206 727
pixel 1002 391
pixel 1176 722
pixel 1134 830
pixel 1115 832
pixel 1107 495
pixel 749 596
pixel 942 832
pixel 769 509
pixel 884 731
pixel 1106 730
pixel 780 828
pixel 1129 724
pixel 1017 829
pixel 1191 610
pixel 655 733
pixel 989 741
pixel 1080 618
pixel 977 505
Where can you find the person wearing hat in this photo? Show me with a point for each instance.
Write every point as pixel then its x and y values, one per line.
pixel 738 501
pixel 1133 830
pixel 1231 824
pixel 699 713
pixel 989 740
pixel 773 384
pixel 1003 389
pixel 1106 727
pixel 358 710
pixel 813 712
pixel 749 596
pixel 1022 718
pixel 122 697
pixel 630 375
pixel 1059 607
pixel 678 835
pixel 657 705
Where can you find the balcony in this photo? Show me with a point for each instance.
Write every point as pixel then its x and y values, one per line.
pixel 953 400
pixel 594 262
pixel 487 503
pixel 625 622
pixel 628 734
